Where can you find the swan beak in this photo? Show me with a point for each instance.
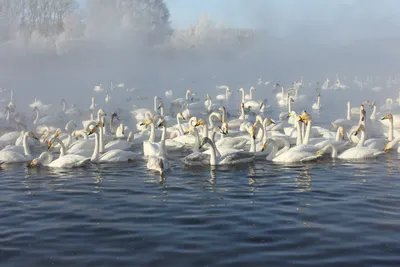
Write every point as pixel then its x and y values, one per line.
pixel 197 123
pixel 264 147
pixel 386 149
pixel 272 121
pixel 32 163
pixel 320 152
pixel 49 144
pixel 183 118
pixel 159 106
pixel 291 100
pixel 186 132
pixel 143 123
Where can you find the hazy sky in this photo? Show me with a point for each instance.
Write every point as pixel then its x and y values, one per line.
pixel 342 18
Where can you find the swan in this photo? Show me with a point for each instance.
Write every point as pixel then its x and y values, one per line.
pixel 225 97
pixel 318 104
pixel 115 155
pixel 284 115
pixel 250 103
pixel 355 153
pixel 380 143
pixel 11 105
pixel 373 114
pixel 250 95
pixel 120 143
pixel 159 162
pixel 15 157
pixel 228 159
pixel 346 123
pixel 63 161
pixel 168 94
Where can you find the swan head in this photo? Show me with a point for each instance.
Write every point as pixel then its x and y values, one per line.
pixel 242 105
pixel 228 89
pixel 200 122
pixel 219 129
pixel 270 121
pixel 341 132
pixel 204 141
pixel 388 116
pixel 291 114
pixel 92 129
pixel 114 116
pixel 222 109
pixel 32 135
pixel 103 121
pixel 359 128
pixel 225 127
pixel 102 112
pixel 241 90
pixel 253 88
pixel 160 106
pixel 34 162
pixel 180 115
pixel 320 152
pixel 145 122
pixel 189 91
pixel 264 146
pixel 162 123
pixel 318 95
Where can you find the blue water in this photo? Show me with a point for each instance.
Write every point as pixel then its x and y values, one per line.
pixel 320 214
pixel 326 213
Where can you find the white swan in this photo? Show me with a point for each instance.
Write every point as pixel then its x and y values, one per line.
pixel 159 162
pixel 63 161
pixel 250 95
pixel 115 155
pixel 355 153
pixel 318 104
pixel 346 123
pixel 15 157
pixel 228 159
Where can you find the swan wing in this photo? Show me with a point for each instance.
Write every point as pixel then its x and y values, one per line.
pixel 237 158
pixel 69 161
pixel 118 155
pixel 197 159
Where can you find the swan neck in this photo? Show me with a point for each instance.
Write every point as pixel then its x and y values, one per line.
pixel 27 150
pixel 213 157
pixel 155 104
pixel 179 124
pixel 243 99
pixel 252 144
pixel 242 117
pixel 164 133
pixel 362 139
pixel 101 140
pixel 152 136
pixel 95 155
pixel 299 140
pixel 319 101
pixel 391 131
pixel 308 133
pixel 62 146
pixel 37 116
pixel 348 111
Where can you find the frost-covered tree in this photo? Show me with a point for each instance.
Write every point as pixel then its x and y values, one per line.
pixel 128 19
pixel 42 17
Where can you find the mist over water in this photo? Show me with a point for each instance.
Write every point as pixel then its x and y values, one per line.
pixel 283 46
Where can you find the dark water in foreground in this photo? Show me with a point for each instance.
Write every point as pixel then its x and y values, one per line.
pixel 320 214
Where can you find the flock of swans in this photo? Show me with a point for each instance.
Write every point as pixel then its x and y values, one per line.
pixel 198 133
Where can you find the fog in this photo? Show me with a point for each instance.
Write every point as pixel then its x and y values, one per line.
pixel 296 39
